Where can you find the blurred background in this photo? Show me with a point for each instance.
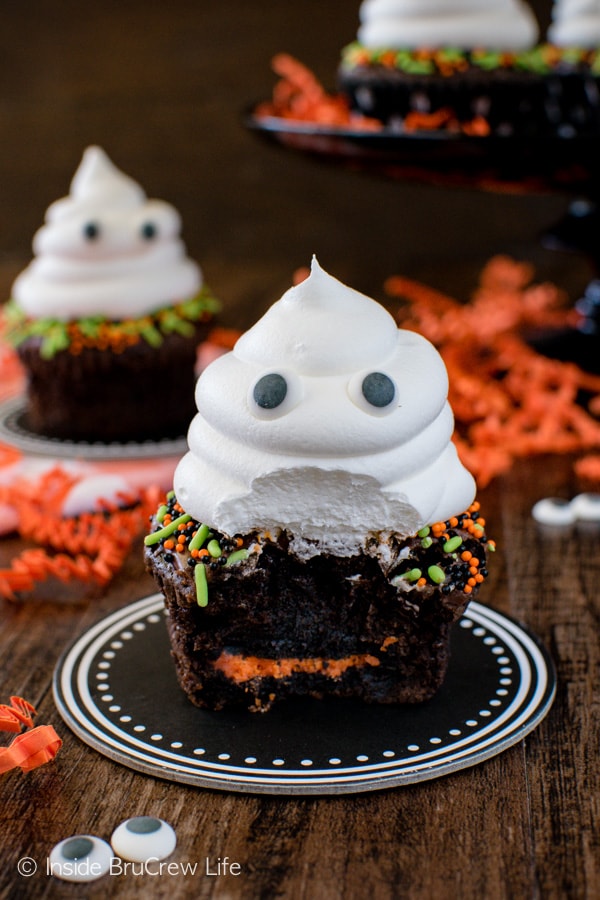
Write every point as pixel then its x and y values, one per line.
pixel 162 88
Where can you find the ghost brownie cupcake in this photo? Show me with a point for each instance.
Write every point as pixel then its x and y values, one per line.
pixel 322 535
pixel 461 61
pixel 107 317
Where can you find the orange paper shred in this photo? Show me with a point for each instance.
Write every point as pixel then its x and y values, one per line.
pixel 509 401
pixel 91 547
pixel 300 97
pixel 31 748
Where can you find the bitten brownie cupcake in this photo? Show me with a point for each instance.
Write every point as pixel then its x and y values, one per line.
pixel 322 536
pixel 108 316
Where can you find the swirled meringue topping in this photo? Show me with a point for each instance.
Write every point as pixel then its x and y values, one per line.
pixel 464 25
pixel 575 23
pixel 326 421
pixel 106 250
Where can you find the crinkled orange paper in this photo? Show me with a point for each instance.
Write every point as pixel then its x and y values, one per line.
pixel 90 547
pixel 31 748
pixel 509 401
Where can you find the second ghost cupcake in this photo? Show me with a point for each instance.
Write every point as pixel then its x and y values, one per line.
pixel 107 317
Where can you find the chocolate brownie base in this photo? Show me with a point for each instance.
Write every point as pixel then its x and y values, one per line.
pixel 277 626
pixel 508 101
pixel 141 393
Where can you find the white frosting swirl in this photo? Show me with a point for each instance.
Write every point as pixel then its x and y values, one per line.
pixel 324 463
pixel 465 24
pixel 105 250
pixel 576 23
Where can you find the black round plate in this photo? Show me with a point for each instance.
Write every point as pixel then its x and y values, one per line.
pixel 14 431
pixel 495 162
pixel 116 689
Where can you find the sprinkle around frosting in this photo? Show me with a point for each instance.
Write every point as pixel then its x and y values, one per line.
pixel 106 250
pixel 326 421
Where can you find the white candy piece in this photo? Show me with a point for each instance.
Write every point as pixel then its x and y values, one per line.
pixel 81 858
pixel 556 511
pixel 143 838
pixel 89 494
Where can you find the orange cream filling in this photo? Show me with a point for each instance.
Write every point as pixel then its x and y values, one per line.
pixel 243 668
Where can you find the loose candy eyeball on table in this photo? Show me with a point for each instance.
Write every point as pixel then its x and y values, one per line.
pixel 81 858
pixel 143 838
pixel 556 511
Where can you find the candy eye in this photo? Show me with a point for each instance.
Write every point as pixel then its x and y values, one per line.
pixel 270 391
pixel 148 231
pixel 374 393
pixel 91 231
pixel 378 389
pixel 81 858
pixel 143 838
pixel 274 394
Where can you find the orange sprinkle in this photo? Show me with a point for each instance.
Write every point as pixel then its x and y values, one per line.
pixel 169 544
pixel 466 555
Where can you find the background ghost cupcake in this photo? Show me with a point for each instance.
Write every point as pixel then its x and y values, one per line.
pixel 464 60
pixel 107 317
pixel 476 66
pixel 322 536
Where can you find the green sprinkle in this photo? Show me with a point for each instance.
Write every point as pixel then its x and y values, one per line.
pixel 424 531
pixel 236 556
pixel 214 548
pixel 452 544
pixel 201 585
pixel 437 574
pixel 412 575
pixel 170 495
pixel 199 538
pixel 157 536
pixel 162 511
pixel 426 542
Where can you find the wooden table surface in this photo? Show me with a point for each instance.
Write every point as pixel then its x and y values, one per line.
pixel 161 88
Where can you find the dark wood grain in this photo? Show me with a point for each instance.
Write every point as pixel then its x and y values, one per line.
pixel 161 86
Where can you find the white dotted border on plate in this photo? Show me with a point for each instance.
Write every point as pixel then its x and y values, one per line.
pixel 498 651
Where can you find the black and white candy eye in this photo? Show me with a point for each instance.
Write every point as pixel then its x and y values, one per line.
pixel 270 391
pixel 148 231
pixel 81 858
pixel 274 394
pixel 378 389
pixel 373 392
pixel 91 231
pixel 143 838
